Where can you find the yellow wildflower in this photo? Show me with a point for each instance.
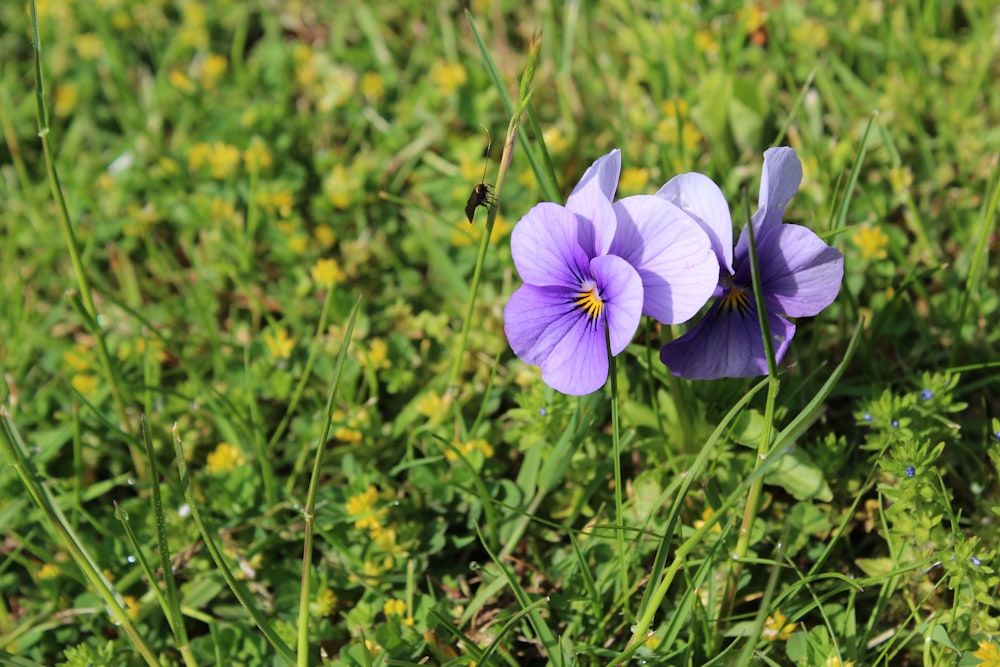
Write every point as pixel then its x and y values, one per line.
pixel 212 70
pixel 372 86
pixel 448 77
pixel 48 571
pixel 65 99
pixel 279 344
pixel 372 648
pixel 872 242
pixel 78 358
pixel 280 202
pixel 257 156
pixel 362 508
pixel 989 653
pixel 223 210
pixel 378 353
pixel 464 235
pixel 394 607
pixel 85 383
pixel 325 236
pixel 777 627
pixel 88 46
pixel 555 140
pixel 193 32
pixel 705 516
pixel 430 404
pixel 705 42
pixel 674 108
pixel 327 273
pixel 223 159
pixel 653 642
pixel 180 81
pixel 225 458
pixel 835 661
pixel 325 603
pixel 351 435
pixel 341 187
pixel 131 606
pixel 467 448
pixel 299 244
pixel 902 180
pixel 198 155
pixel 633 179
pixel 754 17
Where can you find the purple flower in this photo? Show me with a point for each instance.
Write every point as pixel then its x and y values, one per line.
pixel 800 274
pixel 594 265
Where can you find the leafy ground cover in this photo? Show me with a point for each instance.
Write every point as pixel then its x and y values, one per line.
pixel 257 401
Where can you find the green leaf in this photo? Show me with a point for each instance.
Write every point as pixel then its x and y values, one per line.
pixel 800 476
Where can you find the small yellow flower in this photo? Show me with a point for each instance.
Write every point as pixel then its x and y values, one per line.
pixel 872 242
pixel 362 508
pixel 85 383
pixel 372 86
pixel 223 210
pixel 448 77
pixel 298 244
pixel 65 99
pixel 325 236
pixel 555 140
pixel 777 628
pixel 279 344
pixel 212 70
pixel 705 516
pixel 989 653
pixel 704 42
pixel 430 404
pixel 257 156
pixel 193 32
pixel 88 46
pixel 835 661
pixel 198 155
pixel 180 81
pixel 372 648
pixel 653 642
pixel 225 458
pixel 754 17
pixel 223 159
pixel 378 353
pixel 394 607
pixel 633 179
pixel 341 187
pixel 131 606
pixel 48 571
pixel 78 358
pixel 327 273
pixel 351 435
pixel 325 603
pixel 674 108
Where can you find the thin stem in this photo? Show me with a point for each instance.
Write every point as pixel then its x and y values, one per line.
pixel 617 455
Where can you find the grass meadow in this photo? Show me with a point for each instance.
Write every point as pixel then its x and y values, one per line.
pixel 257 405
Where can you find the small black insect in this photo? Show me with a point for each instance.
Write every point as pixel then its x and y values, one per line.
pixel 482 194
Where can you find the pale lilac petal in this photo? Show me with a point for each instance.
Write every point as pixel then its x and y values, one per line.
pixel 621 288
pixel 726 343
pixel 589 202
pixel 779 182
pixel 702 199
pixel 800 274
pixel 672 254
pixel 602 175
pixel 546 249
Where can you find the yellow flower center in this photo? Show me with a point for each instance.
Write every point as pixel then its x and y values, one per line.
pixel 590 302
pixel 736 298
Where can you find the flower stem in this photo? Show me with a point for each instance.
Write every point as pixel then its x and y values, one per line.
pixel 617 455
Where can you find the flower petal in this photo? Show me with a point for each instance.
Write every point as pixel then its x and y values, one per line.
pixel 591 198
pixel 800 274
pixel 603 175
pixel 726 343
pixel 546 327
pixel 621 288
pixel 779 181
pixel 702 199
pixel 546 248
pixel 672 254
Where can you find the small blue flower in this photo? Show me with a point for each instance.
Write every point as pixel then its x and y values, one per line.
pixel 997 435
pixel 975 561
pixel 910 471
pixel 543 412
pixel 868 417
pixel 895 423
pixel 927 394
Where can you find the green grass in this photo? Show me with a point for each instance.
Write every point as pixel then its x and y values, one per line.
pixel 212 458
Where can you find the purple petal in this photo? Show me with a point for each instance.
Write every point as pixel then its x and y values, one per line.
pixel 672 254
pixel 702 199
pixel 779 182
pixel 800 274
pixel 602 175
pixel 621 287
pixel 546 248
pixel 591 199
pixel 726 343
pixel 547 328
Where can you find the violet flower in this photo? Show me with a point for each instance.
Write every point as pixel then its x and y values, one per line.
pixel 800 274
pixel 594 266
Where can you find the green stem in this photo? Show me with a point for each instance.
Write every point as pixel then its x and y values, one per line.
pixel 617 455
